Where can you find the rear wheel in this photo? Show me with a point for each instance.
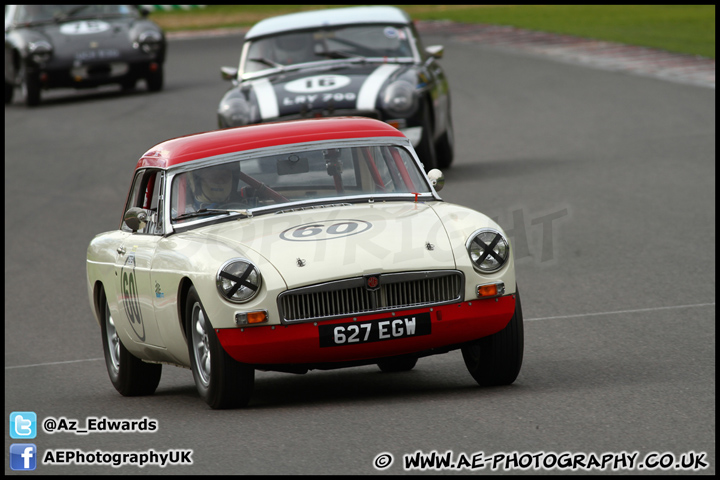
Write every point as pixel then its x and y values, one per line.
pixel 496 360
pixel 220 380
pixel 129 375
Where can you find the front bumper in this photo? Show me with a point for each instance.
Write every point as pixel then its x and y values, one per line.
pixel 88 76
pixel 301 344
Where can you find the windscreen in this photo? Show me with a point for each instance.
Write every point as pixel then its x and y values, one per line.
pixel 302 176
pixel 27 14
pixel 384 41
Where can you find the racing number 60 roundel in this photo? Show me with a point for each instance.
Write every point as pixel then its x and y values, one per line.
pixel 131 301
pixel 328 230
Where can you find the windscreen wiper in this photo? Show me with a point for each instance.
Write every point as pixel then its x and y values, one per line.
pixel 204 211
pixel 339 54
pixel 267 61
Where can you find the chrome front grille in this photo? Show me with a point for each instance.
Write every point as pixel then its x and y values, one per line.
pixel 353 296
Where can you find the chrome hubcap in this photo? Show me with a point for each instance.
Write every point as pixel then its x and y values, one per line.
pixel 112 339
pixel 201 344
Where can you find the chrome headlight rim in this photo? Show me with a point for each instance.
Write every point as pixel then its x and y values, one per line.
pixel 236 111
pixel 498 238
pixel 238 275
pixel 393 96
pixel 149 41
pixel 40 51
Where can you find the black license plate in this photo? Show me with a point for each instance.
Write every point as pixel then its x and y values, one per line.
pixel 103 54
pixel 375 330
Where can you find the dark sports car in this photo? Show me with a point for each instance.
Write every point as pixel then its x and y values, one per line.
pixel 361 61
pixel 80 46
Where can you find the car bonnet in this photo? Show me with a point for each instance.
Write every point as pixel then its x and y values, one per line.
pixel 317 245
pixel 348 87
pixel 71 37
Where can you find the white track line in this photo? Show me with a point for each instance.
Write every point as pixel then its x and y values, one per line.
pixel 527 320
pixel 621 311
pixel 54 363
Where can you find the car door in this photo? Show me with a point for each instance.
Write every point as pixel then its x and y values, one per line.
pixel 134 256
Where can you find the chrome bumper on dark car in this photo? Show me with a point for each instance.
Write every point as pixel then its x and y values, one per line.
pixel 371 294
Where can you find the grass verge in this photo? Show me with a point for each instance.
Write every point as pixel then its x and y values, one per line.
pixel 686 29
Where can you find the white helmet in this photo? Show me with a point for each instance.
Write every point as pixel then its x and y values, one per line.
pixel 213 184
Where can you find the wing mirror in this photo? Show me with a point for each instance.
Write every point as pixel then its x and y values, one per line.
pixel 228 73
pixel 136 218
pixel 437 179
pixel 435 51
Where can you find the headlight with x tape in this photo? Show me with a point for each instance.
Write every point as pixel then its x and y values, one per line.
pixel 238 280
pixel 489 250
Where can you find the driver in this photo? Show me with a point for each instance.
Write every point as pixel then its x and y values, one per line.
pixel 294 48
pixel 212 187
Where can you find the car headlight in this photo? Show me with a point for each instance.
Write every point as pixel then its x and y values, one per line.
pixel 40 52
pixel 399 99
pixel 488 249
pixel 238 280
pixel 149 41
pixel 236 112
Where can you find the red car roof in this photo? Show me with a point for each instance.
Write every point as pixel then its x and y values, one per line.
pixel 202 145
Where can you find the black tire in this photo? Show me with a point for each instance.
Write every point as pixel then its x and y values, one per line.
pixel 496 360
pixel 155 80
pixel 31 88
pixel 220 380
pixel 9 90
pixel 129 375
pixel 128 85
pixel 392 365
pixel 445 148
pixel 426 147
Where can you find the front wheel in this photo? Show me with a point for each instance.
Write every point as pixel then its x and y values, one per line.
pixel 445 150
pixel 128 85
pixel 9 89
pixel 220 380
pixel 129 375
pixel 30 87
pixel 426 147
pixel 496 359
pixel 155 79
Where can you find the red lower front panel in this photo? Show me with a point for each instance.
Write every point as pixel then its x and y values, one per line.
pixel 369 336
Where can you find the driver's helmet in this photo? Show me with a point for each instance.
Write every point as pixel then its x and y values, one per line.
pixel 294 48
pixel 213 185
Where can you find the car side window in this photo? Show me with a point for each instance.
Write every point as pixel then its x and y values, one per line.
pixel 147 193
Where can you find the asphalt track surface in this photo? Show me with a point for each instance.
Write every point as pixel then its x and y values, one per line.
pixel 605 181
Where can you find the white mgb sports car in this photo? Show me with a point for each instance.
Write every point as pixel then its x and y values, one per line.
pixel 311 244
